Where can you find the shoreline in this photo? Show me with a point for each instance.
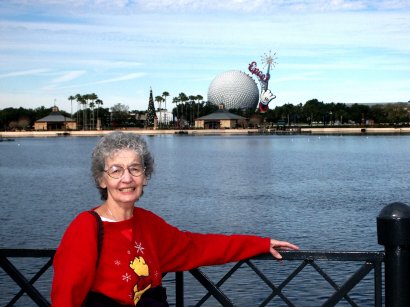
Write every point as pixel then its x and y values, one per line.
pixel 304 131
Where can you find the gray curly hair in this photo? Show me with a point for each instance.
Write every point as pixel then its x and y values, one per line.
pixel 109 145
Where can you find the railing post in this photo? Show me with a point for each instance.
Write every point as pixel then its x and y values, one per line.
pixel 179 289
pixel 393 231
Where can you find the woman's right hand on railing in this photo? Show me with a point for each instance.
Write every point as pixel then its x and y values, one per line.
pixel 275 244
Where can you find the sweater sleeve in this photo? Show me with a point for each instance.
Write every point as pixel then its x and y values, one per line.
pixel 75 262
pixel 181 250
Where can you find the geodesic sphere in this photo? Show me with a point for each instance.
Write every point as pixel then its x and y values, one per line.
pixel 234 89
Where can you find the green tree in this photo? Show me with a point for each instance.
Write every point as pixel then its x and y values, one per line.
pixel 92 106
pixel 165 95
pixel 378 113
pixel 120 115
pixel 151 115
pixel 92 97
pixel 313 110
pixel 191 101
pixel 359 113
pixel 105 118
pixel 287 113
pixel 71 98
pixel 13 118
pixel 175 112
pixel 159 100
pixel 208 108
pixel 396 113
pixel 85 102
pixel 199 99
pixel 183 98
pixel 80 101
pixel 99 103
pixel 41 112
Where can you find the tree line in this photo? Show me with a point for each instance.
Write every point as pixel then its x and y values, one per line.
pixel 189 107
pixel 315 112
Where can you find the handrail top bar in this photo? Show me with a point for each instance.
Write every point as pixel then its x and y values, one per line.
pixel 287 255
pixel 326 255
pixel 27 252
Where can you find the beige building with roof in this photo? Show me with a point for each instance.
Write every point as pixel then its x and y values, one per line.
pixel 221 119
pixel 55 121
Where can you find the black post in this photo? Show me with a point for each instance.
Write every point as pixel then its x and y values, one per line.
pixel 393 231
pixel 179 289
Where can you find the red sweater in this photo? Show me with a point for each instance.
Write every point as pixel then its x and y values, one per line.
pixel 134 255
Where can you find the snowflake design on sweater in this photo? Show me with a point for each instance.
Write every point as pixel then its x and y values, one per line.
pixel 126 277
pixel 117 262
pixel 139 247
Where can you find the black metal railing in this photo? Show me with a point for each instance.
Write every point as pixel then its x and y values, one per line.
pixel 371 261
pixel 393 228
pixel 26 286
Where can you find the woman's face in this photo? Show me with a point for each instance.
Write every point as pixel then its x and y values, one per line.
pixel 127 189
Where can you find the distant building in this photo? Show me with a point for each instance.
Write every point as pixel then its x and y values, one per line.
pixel 140 119
pixel 220 119
pixel 55 121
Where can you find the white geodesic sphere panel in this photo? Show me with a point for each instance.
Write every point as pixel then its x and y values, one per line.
pixel 234 89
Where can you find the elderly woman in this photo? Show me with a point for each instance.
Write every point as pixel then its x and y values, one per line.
pixel 122 261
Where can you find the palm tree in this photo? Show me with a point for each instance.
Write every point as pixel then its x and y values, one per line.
pixel 176 100
pixel 165 95
pixel 159 99
pixel 79 99
pixel 192 99
pixel 98 102
pixel 92 97
pixel 183 98
pixel 84 103
pixel 198 98
pixel 71 98
pixel 92 105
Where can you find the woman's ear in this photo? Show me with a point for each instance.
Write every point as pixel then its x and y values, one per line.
pixel 103 185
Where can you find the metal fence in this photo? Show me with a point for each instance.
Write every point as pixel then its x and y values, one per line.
pixel 393 230
pixel 370 263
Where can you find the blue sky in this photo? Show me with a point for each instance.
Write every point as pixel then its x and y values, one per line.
pixel 335 51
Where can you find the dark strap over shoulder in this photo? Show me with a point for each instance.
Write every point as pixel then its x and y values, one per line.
pixel 100 234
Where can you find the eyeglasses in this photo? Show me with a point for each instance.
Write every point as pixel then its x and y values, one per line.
pixel 117 171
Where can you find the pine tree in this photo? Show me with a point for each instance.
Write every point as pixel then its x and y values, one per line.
pixel 151 115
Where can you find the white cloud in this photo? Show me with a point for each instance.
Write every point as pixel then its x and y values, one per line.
pixel 54 87
pixel 30 72
pixel 394 4
pixel 69 76
pixel 122 78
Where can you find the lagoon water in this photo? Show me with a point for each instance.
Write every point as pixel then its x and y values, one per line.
pixel 320 192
